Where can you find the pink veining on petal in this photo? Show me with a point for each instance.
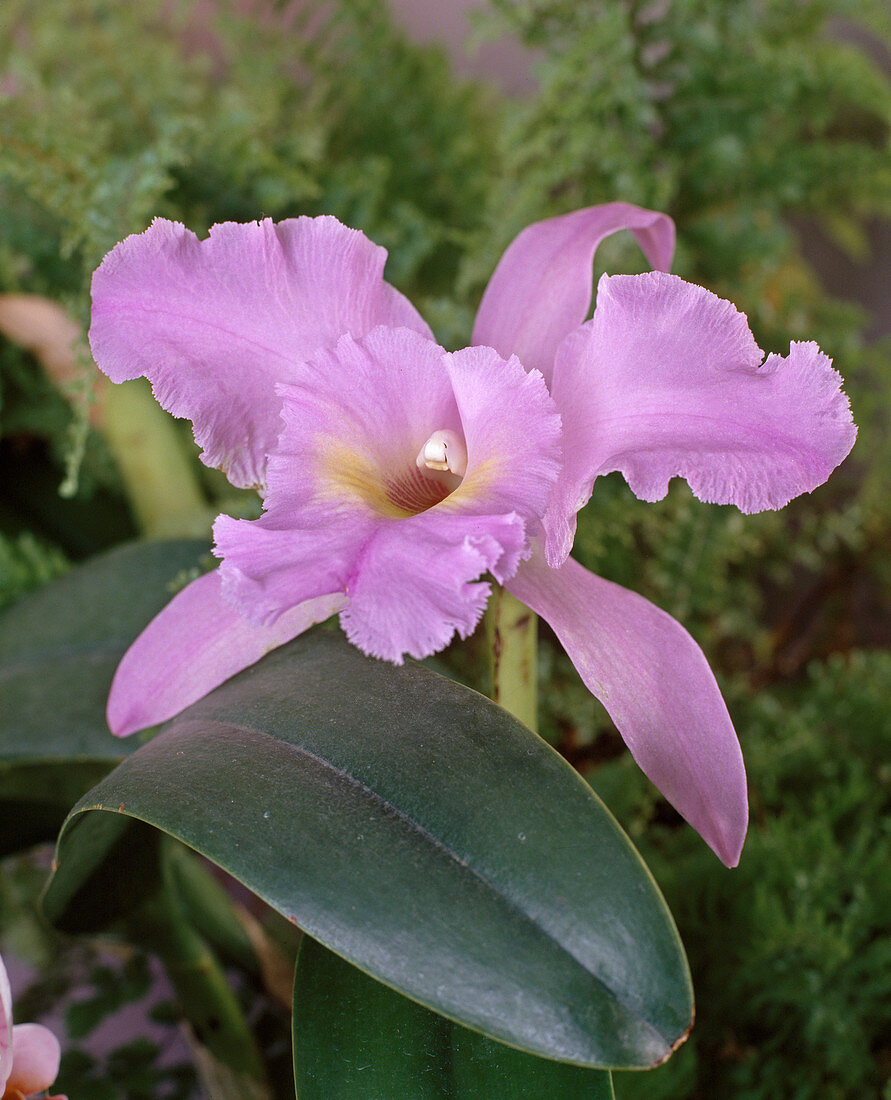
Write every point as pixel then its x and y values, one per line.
pixel 198 641
pixel 657 686
pixel 666 380
pixel 541 289
pixel 215 324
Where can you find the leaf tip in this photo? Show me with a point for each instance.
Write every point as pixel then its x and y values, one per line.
pixel 679 1042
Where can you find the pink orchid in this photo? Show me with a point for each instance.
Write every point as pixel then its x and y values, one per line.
pixel 29 1053
pixel 395 474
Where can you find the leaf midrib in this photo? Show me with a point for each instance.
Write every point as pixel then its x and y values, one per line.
pixel 386 806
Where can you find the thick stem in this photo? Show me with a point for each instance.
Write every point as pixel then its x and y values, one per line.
pixel 513 637
pixel 164 493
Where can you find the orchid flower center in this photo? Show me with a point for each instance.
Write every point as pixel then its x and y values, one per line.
pixel 391 484
pixel 444 451
pixel 436 473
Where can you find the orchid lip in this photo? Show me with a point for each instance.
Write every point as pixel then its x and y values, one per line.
pixel 416 491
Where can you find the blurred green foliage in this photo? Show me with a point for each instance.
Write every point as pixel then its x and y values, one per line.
pixel 114 114
pixel 790 954
pixel 755 124
pixel 25 564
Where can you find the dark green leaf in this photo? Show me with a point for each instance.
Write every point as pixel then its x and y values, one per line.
pixel 420 832
pixel 34 798
pixel 356 1039
pixel 59 648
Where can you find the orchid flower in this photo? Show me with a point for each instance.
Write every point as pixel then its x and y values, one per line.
pixel 395 474
pixel 29 1053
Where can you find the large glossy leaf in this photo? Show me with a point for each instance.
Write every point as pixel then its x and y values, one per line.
pixel 58 651
pixel 356 1039
pixel 419 831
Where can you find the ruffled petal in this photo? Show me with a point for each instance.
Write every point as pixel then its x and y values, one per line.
pixel 513 435
pixel 345 462
pixel 35 1062
pixel 5 1026
pixel 216 323
pixel 192 646
pixel 656 685
pixel 412 590
pixel 541 289
pixel 348 509
pixel 666 380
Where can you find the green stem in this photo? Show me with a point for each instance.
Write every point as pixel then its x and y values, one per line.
pixel 164 493
pixel 513 638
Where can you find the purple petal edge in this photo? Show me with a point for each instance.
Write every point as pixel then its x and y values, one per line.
pixel 657 686
pixel 541 289
pixel 667 381
pixel 196 643
pixel 216 323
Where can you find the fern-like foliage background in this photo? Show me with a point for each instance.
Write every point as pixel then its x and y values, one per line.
pixel 754 124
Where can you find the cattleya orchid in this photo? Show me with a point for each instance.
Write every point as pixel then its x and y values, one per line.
pixel 395 474
pixel 29 1053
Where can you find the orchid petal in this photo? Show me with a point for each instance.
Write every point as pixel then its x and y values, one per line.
pixel 541 289
pixel 513 434
pixel 35 1062
pixel 655 683
pixel 666 380
pixel 345 458
pixel 215 324
pixel 414 590
pixel 5 1027
pixel 192 646
pixel 348 509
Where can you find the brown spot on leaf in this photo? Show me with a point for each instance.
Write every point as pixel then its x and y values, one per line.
pixel 679 1042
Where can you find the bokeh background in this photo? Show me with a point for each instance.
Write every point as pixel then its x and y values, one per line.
pixel 762 127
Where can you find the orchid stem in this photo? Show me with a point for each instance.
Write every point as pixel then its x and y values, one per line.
pixel 161 485
pixel 513 642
